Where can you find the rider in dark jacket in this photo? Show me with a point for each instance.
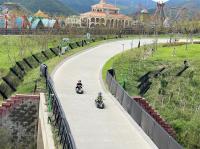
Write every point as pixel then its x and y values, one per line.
pixel 79 84
pixel 100 97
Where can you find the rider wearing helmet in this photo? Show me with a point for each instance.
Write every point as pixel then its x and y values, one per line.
pixel 79 84
pixel 100 97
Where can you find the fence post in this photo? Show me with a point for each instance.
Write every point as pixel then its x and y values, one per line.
pixel 50 96
pixel 124 85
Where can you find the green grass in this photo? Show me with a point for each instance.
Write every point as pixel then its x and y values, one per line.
pixel 28 84
pixel 179 101
pixel 15 48
pixel 191 54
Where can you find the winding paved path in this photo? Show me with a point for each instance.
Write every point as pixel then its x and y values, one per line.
pixel 92 128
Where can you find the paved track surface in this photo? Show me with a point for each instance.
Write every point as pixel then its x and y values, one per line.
pixel 92 128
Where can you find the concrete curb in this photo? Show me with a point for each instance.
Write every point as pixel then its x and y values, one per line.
pixel 46 134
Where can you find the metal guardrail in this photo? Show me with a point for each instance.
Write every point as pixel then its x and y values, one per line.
pixel 153 129
pixel 54 105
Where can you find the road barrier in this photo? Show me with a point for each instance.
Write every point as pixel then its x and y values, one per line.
pixel 150 126
pixel 54 106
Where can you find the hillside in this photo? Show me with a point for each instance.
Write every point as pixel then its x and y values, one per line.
pixel 168 83
pixel 192 5
pixel 127 6
pixel 51 6
pixel 78 5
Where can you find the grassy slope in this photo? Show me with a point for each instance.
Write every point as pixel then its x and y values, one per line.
pixel 29 45
pixel 28 86
pixel 180 103
pixel 19 47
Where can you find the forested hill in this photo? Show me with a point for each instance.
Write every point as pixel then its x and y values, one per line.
pixel 54 7
pixel 69 7
pixel 127 6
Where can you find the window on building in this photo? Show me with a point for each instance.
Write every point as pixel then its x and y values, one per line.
pixel 92 19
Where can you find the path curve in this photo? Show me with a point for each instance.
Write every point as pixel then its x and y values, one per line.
pixel 111 128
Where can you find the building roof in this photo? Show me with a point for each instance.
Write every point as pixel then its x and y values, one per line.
pixel 41 14
pixel 45 22
pixel 103 14
pixel 105 6
pixel 48 22
pixel 35 23
pixel 30 19
pixel 52 23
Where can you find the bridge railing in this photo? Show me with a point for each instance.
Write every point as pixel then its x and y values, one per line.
pixel 150 126
pixel 54 106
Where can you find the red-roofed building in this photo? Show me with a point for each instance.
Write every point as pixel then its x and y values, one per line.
pixel 105 15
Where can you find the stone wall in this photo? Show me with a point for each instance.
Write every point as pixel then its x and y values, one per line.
pixel 19 116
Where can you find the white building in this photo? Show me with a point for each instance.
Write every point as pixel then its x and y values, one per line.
pixel 105 15
pixel 73 21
